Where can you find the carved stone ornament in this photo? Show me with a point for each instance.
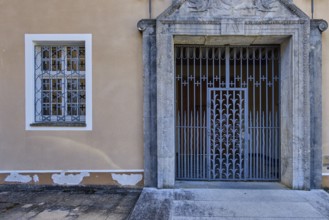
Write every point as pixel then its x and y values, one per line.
pixel 323 25
pixel 230 5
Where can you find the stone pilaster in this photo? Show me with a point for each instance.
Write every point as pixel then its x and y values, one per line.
pixel 317 27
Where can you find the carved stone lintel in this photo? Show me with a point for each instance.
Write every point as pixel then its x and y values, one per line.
pixel 143 24
pixel 229 5
pixel 234 8
pixel 232 27
pixel 321 24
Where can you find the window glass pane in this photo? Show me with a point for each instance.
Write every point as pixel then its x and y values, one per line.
pixel 74 96
pixel 45 58
pixel 45 65
pixel 82 97
pixel 45 53
pixel 56 109
pixel 82 109
pixel 82 52
pixel 82 59
pixel 82 84
pixel 68 56
pixel 46 97
pixel 45 84
pixel 74 52
pixel 45 109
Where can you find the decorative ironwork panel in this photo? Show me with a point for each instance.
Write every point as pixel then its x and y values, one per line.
pixel 227 136
pixel 209 148
pixel 60 84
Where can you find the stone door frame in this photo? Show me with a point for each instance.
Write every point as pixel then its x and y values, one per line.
pixel 299 88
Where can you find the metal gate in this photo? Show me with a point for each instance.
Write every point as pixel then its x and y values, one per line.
pixel 227 113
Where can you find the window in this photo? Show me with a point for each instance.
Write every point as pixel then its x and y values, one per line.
pixel 58 83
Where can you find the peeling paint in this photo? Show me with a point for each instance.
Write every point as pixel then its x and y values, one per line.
pixel 36 178
pixel 70 179
pixel 127 180
pixel 18 178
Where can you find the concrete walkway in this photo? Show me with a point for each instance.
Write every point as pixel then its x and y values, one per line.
pixel 248 203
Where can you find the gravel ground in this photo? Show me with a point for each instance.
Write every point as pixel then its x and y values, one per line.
pixel 22 202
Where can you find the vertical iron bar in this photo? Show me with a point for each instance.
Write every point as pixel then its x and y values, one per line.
pixel 227 66
pixel 275 144
pixel 234 67
pixel 278 112
pixel 35 82
pixel 273 111
pixel 227 134
pixel 260 114
pixel 233 131
pixel 220 66
pixel 241 68
pixel 188 111
pixel 249 129
pixel 245 144
pixel 221 136
pixel 182 99
pixel 185 146
pixel 209 131
pixel 270 146
pixel 263 143
pixel 181 102
pixel 201 116
pixel 178 144
pixel 266 114
pixel 191 145
pixel 200 112
pixel 194 128
pixel 213 65
pixel 251 135
pixel 257 145
pixel 208 117
pixel 204 136
pixel 255 112
pixel 198 126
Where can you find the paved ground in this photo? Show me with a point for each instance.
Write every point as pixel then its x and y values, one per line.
pixel 189 201
pixel 232 203
pixel 66 203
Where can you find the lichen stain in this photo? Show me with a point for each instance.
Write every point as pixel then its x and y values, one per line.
pixel 70 179
pixel 127 180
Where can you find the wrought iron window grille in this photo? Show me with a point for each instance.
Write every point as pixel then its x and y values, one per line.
pixel 60 86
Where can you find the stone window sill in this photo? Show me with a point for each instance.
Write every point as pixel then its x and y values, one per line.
pixel 59 124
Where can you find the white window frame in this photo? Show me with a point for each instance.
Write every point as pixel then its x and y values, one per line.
pixel 39 39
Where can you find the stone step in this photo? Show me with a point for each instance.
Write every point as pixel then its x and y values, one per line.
pixel 187 209
pixel 242 195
